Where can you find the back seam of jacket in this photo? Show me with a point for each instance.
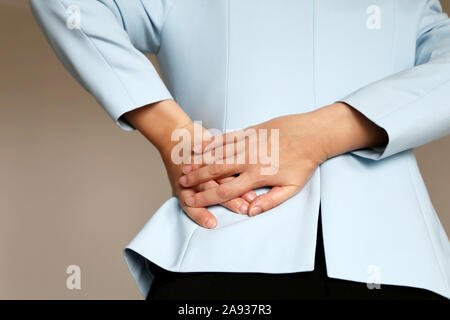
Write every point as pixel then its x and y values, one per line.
pixel 436 256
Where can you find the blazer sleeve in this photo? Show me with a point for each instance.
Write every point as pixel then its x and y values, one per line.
pixel 412 106
pixel 102 44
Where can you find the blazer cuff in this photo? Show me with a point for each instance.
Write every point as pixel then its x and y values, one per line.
pixel 367 105
pixel 116 112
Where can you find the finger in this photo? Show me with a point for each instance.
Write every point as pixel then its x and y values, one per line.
pixel 198 161
pixel 223 139
pixel 191 167
pixel 205 185
pixel 222 193
pixel 224 180
pixel 209 172
pixel 210 144
pixel 228 150
pixel 221 152
pixel 271 199
pixel 237 205
pixel 234 152
pixel 248 196
pixel 201 216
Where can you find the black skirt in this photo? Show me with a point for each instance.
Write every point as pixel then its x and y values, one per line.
pixel 315 284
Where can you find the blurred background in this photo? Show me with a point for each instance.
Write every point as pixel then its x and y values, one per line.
pixel 74 188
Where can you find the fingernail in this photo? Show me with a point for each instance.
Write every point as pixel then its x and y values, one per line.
pixel 210 223
pixel 183 180
pixel 187 169
pixel 251 196
pixel 243 208
pixel 189 201
pixel 255 211
pixel 197 148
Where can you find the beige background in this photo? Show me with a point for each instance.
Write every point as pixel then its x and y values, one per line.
pixel 74 189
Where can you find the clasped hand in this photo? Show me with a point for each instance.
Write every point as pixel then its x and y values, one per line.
pixel 281 153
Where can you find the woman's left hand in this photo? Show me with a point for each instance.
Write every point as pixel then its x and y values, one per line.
pixel 288 151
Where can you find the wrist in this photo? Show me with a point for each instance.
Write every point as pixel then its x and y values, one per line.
pixel 342 128
pixel 157 121
pixel 165 144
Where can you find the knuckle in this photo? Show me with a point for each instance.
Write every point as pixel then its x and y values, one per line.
pixel 199 199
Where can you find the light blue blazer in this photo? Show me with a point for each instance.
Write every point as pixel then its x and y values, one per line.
pixel 236 63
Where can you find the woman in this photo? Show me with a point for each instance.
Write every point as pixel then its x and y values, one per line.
pixel 349 88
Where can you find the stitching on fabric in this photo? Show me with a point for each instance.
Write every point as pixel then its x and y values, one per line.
pixel 410 159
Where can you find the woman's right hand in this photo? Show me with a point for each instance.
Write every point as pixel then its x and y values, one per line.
pixel 169 117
